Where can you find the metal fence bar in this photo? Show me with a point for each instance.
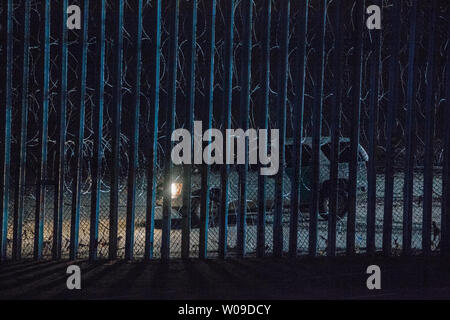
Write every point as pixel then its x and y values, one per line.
pixel 429 134
pixel 207 111
pixel 6 110
pixel 226 123
pixel 445 207
pixel 154 80
pixel 244 122
pixel 134 141
pixel 170 116
pixel 76 184
pixel 410 134
pixel 115 140
pixel 43 131
pixel 373 121
pixel 61 136
pixel 317 125
pixel 299 105
pixel 99 79
pixel 186 209
pixel 282 98
pixel 392 103
pixel 355 120
pixel 264 124
pixel 22 140
pixel 335 130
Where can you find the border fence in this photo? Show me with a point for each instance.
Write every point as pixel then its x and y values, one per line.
pixel 87 116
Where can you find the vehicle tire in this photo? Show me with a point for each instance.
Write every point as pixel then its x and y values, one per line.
pixel 342 201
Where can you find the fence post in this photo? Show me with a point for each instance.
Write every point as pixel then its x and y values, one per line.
pixel 317 125
pixel 134 141
pixel 299 106
pixel 355 120
pixel 335 129
pixel 226 121
pixel 264 124
pixel 99 79
pixel 61 136
pixel 244 122
pixel 282 97
pixel 22 141
pixel 410 134
pixel 5 139
pixel 170 127
pixel 429 134
pixel 154 81
pixel 207 119
pixel 115 139
pixel 373 121
pixel 76 184
pixel 392 104
pixel 43 131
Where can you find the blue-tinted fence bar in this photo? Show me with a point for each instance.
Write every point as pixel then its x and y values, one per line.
pixel 317 125
pixel 22 152
pixel 355 123
pixel 373 121
pixel 206 117
pixel 226 123
pixel 299 105
pixel 410 137
pixel 153 77
pixel 264 124
pixel 44 67
pixel 98 78
pixel 5 118
pixel 393 92
pixel 115 139
pixel 170 127
pixel 61 137
pixel 134 145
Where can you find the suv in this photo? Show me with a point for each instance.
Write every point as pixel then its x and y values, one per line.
pixel 252 183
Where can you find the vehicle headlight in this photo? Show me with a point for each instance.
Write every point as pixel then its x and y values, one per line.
pixel 175 189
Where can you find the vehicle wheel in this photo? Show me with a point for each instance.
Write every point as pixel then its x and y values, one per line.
pixel 342 202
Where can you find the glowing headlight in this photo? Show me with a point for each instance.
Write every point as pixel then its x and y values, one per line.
pixel 175 189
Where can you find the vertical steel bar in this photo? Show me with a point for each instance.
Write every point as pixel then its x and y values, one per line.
pixel 264 124
pixel 410 134
pixel 299 106
pixel 226 123
pixel 99 79
pixel 170 119
pixel 445 207
pixel 244 122
pixel 355 120
pixel 373 121
pixel 282 98
pixel 134 142
pixel 61 137
pixel 317 125
pixel 392 104
pixel 76 184
pixel 115 140
pixel 44 70
pixel 429 133
pixel 335 129
pixel 154 81
pixel 6 102
pixel 22 142
pixel 189 118
pixel 207 121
